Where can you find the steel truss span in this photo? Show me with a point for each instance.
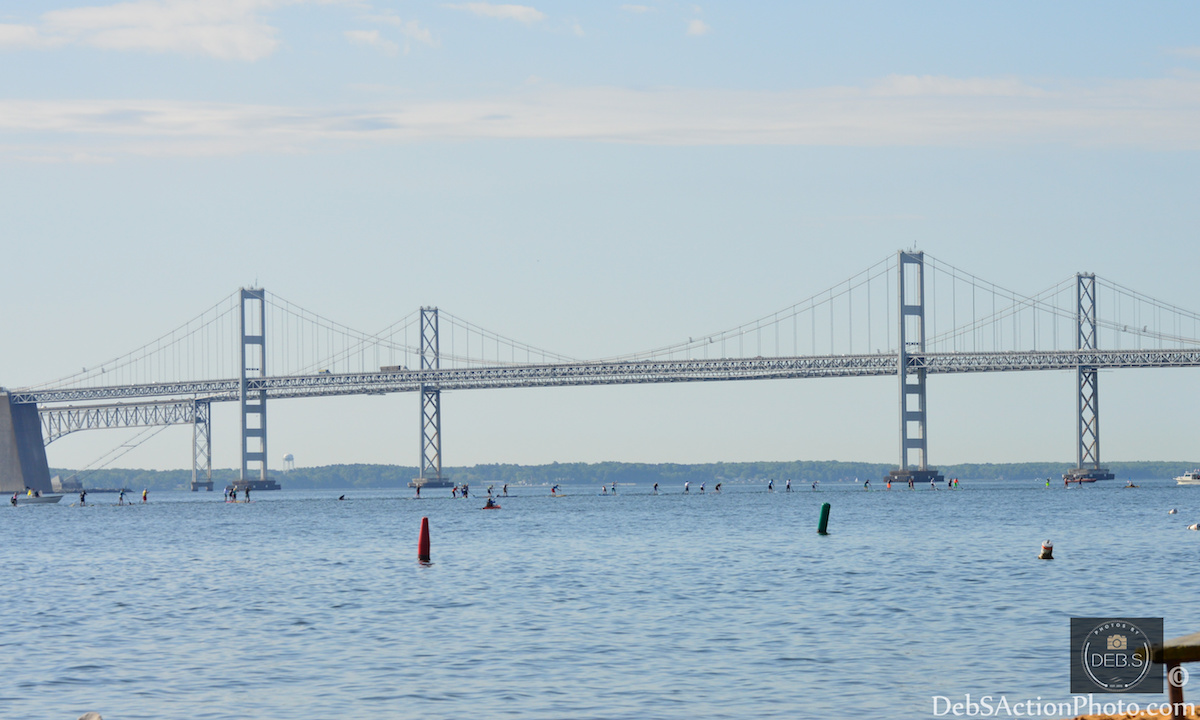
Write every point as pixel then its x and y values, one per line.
pixel 617 373
pixel 63 420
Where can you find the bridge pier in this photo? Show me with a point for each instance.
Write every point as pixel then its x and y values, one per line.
pixel 22 452
pixel 254 403
pixel 1087 418
pixel 201 446
pixel 911 372
pixel 431 407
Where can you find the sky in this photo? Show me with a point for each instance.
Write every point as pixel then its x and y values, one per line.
pixel 595 178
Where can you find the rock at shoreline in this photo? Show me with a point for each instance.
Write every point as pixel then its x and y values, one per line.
pixel 90 716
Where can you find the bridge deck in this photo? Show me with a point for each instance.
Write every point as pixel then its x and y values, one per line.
pixel 617 373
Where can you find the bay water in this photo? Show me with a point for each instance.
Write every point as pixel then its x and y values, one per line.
pixel 638 606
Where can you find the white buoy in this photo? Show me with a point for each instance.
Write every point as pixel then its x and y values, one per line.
pixel 1047 552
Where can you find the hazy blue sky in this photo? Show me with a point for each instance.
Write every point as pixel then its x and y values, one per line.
pixel 595 178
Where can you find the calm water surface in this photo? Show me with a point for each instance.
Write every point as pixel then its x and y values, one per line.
pixel 635 606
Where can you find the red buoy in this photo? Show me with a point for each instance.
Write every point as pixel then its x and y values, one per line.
pixel 423 542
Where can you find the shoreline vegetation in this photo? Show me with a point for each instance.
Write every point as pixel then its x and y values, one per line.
pixel 363 476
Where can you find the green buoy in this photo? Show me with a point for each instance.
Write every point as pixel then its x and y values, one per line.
pixel 823 523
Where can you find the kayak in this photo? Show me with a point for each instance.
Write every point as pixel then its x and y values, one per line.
pixel 493 507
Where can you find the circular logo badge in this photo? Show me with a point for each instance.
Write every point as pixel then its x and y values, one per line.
pixel 1116 655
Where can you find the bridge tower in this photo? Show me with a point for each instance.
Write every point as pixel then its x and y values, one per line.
pixel 431 407
pixel 1087 452
pixel 910 267
pixel 201 446
pixel 254 403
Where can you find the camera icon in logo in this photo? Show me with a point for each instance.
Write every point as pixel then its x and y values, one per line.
pixel 1118 642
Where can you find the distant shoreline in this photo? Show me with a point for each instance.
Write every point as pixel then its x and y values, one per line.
pixel 364 476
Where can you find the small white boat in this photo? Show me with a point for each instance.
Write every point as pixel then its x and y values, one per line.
pixel 1191 477
pixel 37 500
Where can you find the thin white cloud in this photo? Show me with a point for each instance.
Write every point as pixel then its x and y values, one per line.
pixel 698 27
pixel 224 29
pixel 936 85
pixel 1156 114
pixel 520 13
pixel 24 36
pixel 1185 52
pixel 636 9
pixel 409 29
pixel 372 38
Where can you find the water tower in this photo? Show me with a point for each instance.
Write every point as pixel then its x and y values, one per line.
pixel 289 462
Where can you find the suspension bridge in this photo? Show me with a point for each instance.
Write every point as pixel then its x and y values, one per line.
pixel 910 315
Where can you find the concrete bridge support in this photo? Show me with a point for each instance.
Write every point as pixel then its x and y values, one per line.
pixel 22 452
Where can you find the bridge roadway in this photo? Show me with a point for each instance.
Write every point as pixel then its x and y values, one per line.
pixel 615 373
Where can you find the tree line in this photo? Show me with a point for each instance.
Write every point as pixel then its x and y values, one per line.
pixel 363 476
